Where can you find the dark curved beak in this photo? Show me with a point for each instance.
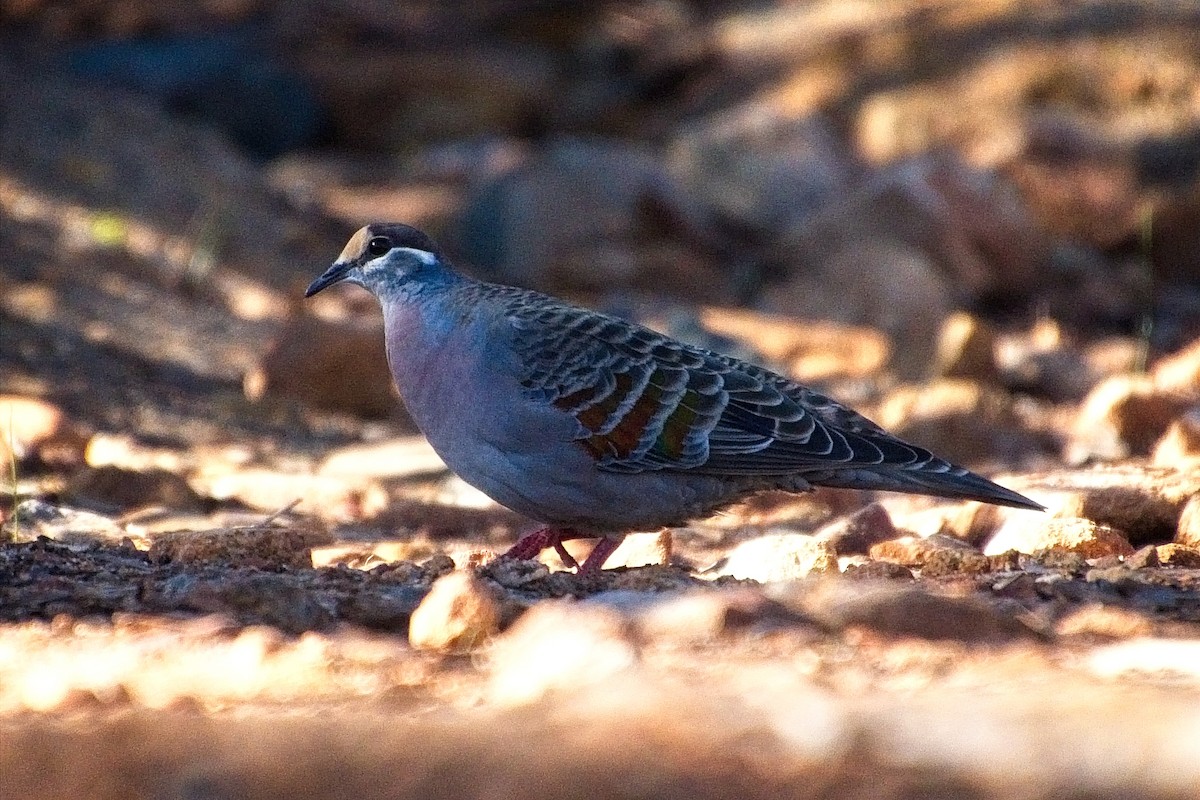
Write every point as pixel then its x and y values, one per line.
pixel 329 277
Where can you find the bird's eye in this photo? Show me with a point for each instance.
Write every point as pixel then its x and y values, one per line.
pixel 379 245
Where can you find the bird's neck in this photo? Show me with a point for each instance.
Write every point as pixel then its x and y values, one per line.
pixel 418 324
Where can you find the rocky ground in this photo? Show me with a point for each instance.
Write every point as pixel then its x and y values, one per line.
pixel 230 566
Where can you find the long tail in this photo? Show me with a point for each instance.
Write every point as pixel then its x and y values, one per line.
pixel 955 483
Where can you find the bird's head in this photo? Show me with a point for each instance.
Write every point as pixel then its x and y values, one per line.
pixel 382 258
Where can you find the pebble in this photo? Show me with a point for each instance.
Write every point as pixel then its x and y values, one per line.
pixel 1085 537
pixel 780 557
pixel 459 614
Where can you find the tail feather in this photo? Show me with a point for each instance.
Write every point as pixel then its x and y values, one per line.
pixel 956 483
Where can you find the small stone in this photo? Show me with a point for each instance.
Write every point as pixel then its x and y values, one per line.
pixel 1084 537
pixel 459 614
pixel 1061 560
pixel 34 518
pixel 438 564
pixel 856 533
pixel 955 562
pixel 1008 561
pixel 1115 575
pixel 1144 558
pixel 915 551
pixel 965 349
pixel 780 557
pixel 1178 555
pixel 885 570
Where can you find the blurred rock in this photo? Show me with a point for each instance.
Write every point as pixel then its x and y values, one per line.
pixel 879 283
pixel 259 547
pixel 702 616
pixel 1078 182
pixel 31 428
pixel 337 498
pixel 893 610
pixel 1125 415
pixel 642 549
pixel 1104 622
pixel 1075 535
pixel 856 533
pixel 1143 502
pixel 336 366
pixel 483 88
pixel 203 230
pixel 780 557
pixel 761 172
pixel 117 489
pixel 34 518
pixel 1045 361
pixel 965 349
pixel 908 245
pixel 559 647
pixel 958 419
pixel 574 218
pixel 975 522
pixel 226 80
pixel 402 457
pixel 128 453
pixel 1188 530
pixel 459 614
pixel 916 551
pixel 810 350
pixel 1180 445
pixel 1179 371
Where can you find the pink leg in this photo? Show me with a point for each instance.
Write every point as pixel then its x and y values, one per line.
pixel 600 553
pixel 529 545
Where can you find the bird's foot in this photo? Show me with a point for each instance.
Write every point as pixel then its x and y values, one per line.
pixel 600 553
pixel 529 545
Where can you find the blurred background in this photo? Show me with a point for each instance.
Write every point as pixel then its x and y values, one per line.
pixel 172 174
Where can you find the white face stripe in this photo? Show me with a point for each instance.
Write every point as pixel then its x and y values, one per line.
pixel 424 256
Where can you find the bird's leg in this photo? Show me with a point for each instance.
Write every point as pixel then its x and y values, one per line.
pixel 529 545
pixel 600 553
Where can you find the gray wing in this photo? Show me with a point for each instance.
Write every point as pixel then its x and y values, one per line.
pixel 644 401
